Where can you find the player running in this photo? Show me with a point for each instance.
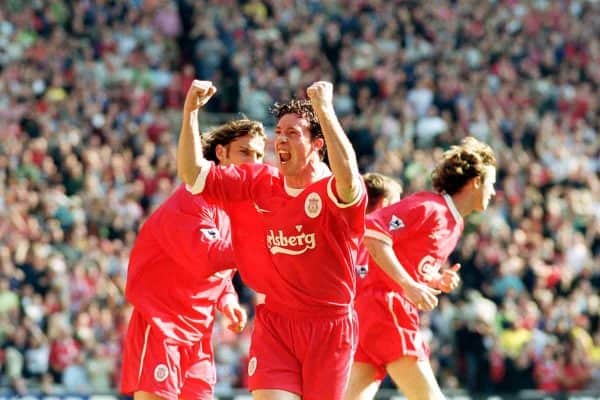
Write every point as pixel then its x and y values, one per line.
pixel 408 242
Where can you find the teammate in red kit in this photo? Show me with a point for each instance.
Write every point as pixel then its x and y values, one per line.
pixel 408 242
pixel 174 286
pixel 381 192
pixel 309 223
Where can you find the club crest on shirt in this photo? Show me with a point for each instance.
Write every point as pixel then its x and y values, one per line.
pixel 252 366
pixel 161 372
pixel 313 205
pixel 210 233
pixel 395 223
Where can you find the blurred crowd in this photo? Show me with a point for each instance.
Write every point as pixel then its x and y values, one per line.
pixel 90 95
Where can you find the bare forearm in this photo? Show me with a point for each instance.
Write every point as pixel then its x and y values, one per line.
pixel 384 256
pixel 342 158
pixel 189 149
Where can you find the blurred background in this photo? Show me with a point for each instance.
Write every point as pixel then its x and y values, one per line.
pixel 90 99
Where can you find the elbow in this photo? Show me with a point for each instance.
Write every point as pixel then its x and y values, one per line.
pixel 348 193
pixel 372 246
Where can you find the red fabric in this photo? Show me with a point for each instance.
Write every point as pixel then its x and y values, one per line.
pixel 389 329
pixel 423 230
pixel 307 356
pixel 302 261
pixel 172 277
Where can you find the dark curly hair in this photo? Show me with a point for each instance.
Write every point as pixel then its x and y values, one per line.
pixel 304 109
pixel 227 133
pixel 460 164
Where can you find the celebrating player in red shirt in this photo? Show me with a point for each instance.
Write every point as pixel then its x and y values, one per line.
pixel 307 224
pixel 173 285
pixel 409 242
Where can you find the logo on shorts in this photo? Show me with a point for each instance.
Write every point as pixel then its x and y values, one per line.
pixel 161 372
pixel 313 205
pixel 252 366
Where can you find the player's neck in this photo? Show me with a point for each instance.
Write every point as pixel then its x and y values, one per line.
pixel 311 173
pixel 463 203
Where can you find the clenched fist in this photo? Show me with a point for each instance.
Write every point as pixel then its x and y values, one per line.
pixel 198 95
pixel 320 93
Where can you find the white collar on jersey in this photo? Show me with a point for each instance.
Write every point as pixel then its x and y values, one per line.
pixel 452 207
pixel 322 171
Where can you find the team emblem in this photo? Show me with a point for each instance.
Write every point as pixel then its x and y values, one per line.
pixel 161 372
pixel 395 223
pixel 313 205
pixel 210 233
pixel 252 366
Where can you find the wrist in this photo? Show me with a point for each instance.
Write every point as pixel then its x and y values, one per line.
pixel 435 283
pixel 323 106
pixel 190 112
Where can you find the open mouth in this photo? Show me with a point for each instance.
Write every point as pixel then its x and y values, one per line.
pixel 284 156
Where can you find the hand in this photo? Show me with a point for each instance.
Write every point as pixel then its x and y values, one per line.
pixel 237 317
pixel 320 93
pixel 449 279
pixel 198 95
pixel 422 295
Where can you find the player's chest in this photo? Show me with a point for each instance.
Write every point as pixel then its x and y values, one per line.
pixel 278 210
pixel 441 239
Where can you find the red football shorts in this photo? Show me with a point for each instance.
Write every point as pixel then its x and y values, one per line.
pixel 389 329
pixel 308 356
pixel 157 364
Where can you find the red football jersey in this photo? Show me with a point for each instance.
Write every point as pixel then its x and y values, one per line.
pixel 423 230
pixel 304 242
pixel 172 278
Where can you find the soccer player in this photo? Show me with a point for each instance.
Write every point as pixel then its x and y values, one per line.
pixel 174 286
pixel 408 242
pixel 307 223
pixel 381 192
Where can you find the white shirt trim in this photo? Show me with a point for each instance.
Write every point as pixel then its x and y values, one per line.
pixel 452 207
pixel 336 201
pixel 373 234
pixel 200 182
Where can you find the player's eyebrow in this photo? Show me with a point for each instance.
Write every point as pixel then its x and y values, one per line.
pixel 251 148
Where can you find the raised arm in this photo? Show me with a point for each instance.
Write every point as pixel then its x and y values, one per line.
pixel 342 158
pixel 189 149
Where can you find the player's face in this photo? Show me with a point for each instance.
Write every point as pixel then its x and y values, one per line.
pixel 293 144
pixel 486 190
pixel 245 149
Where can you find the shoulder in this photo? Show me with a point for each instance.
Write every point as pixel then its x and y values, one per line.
pixel 426 203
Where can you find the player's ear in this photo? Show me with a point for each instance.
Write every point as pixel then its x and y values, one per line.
pixel 221 153
pixel 318 143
